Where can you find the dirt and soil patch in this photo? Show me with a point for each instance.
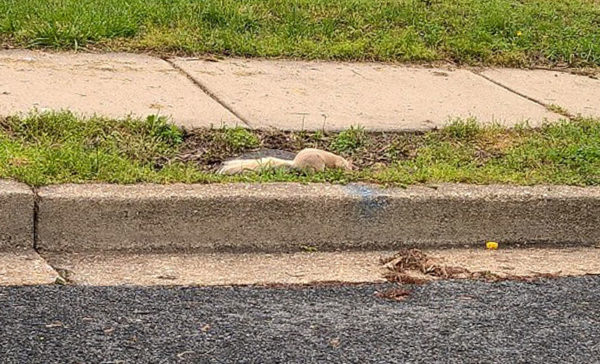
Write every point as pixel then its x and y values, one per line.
pixel 208 148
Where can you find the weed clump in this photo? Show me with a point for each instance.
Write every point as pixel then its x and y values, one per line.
pixel 350 140
pixel 239 139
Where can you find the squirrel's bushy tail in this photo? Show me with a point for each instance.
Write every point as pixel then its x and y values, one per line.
pixel 242 165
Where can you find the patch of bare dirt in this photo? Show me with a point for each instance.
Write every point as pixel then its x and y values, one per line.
pixel 207 148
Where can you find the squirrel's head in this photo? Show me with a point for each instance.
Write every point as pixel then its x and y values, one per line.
pixel 344 164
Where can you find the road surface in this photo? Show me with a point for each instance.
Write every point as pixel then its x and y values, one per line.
pixel 551 321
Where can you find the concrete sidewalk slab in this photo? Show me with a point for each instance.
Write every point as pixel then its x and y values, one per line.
pixel 24 267
pixel 219 269
pixel 16 215
pixel 284 217
pixel 576 93
pixel 314 95
pixel 107 84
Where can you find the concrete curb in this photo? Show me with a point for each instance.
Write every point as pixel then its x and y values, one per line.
pixel 16 216
pixel 288 217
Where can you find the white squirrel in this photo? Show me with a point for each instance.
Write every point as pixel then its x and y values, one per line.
pixel 309 159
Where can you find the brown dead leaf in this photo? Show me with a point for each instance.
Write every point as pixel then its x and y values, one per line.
pixel 335 342
pixel 412 266
pixel 396 294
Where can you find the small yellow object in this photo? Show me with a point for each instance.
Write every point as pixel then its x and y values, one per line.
pixel 491 245
pixel 519 33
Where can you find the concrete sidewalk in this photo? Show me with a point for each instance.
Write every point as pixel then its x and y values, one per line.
pixel 287 94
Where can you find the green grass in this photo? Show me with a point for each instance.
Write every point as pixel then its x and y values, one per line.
pixel 494 32
pixel 58 147
pixel 350 140
pixel 49 148
pixel 563 153
pixel 238 139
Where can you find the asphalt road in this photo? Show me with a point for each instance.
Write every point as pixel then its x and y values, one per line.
pixel 552 321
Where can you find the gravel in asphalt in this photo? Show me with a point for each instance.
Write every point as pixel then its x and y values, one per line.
pixel 550 321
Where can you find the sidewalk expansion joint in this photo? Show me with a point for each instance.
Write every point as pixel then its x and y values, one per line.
pixel 208 92
pixel 527 97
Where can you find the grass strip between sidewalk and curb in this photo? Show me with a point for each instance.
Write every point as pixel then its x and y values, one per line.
pixel 489 32
pixel 60 147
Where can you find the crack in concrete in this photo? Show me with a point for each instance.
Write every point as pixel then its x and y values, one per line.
pixel 62 275
pixel 208 92
pixel 36 207
pixel 60 279
pixel 36 198
pixel 527 97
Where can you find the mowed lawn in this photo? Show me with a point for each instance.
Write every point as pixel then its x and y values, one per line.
pixel 490 32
